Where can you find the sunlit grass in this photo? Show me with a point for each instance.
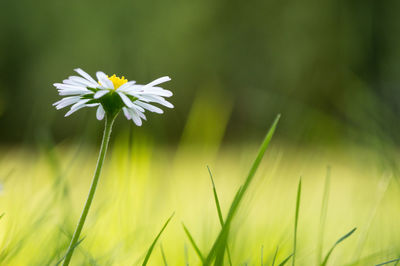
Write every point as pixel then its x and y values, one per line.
pixel 140 191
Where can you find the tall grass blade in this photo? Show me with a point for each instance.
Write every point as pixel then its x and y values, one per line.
pixel 1 215
pixel 276 253
pixel 221 219
pixel 387 262
pixel 76 244
pixel 285 260
pixel 324 212
pixel 163 256
pixel 296 222
pixel 146 259
pixel 220 242
pixel 381 192
pixel 194 245
pixel 337 243
pixel 262 255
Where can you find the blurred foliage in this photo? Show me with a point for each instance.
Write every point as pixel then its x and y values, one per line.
pixel 143 183
pixel 330 67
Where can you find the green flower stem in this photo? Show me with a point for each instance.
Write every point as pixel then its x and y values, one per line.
pixel 103 149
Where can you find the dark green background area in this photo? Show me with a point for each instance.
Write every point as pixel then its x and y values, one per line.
pixel 331 67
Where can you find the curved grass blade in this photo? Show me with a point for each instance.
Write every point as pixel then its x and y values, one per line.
pixel 285 260
pixel 221 219
pixel 163 256
pixel 324 212
pixel 276 253
pixel 337 243
pixel 1 215
pixel 387 262
pixel 262 255
pixel 296 221
pixel 146 259
pixel 223 235
pixel 220 247
pixel 195 247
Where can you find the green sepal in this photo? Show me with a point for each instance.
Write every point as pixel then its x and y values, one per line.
pixel 112 103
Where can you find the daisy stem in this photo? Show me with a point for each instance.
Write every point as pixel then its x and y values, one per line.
pixel 109 120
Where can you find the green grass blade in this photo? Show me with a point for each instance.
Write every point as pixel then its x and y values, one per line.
pixel 387 262
pixel 296 221
pixel 337 243
pixel 285 260
pixel 219 257
pixel 194 245
pixel 163 256
pixel 262 255
pixel 221 219
pixel 76 244
pixel 324 212
pixel 222 243
pixel 146 259
pixel 1 215
pixel 223 235
pixel 276 253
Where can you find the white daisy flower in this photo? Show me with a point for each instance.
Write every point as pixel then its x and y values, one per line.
pixel 111 94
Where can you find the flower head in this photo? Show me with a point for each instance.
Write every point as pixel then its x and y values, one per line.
pixel 111 94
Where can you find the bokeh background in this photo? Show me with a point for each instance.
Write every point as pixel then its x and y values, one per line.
pixel 330 67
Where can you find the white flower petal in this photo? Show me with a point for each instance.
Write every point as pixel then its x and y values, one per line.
pixel 126 86
pixel 61 86
pixel 85 75
pixel 135 117
pixel 137 107
pixel 157 81
pixel 70 82
pixel 73 92
pixel 142 115
pixel 74 110
pixel 100 93
pixel 125 99
pixel 100 113
pixel 149 107
pixel 156 99
pixel 83 81
pixel 92 104
pixel 105 82
pixel 66 101
pixel 79 104
pixel 126 113
pixel 138 112
pixel 159 91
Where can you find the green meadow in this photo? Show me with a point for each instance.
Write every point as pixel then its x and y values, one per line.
pixel 144 183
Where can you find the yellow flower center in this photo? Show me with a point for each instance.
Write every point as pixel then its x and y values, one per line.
pixel 117 81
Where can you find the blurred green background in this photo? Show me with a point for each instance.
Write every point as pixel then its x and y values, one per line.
pixel 330 67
